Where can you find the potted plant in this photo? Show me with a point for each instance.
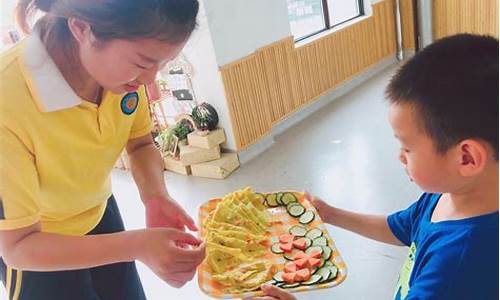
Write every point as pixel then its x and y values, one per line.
pixel 167 142
pixel 181 131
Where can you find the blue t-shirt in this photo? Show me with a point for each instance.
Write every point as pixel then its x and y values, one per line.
pixel 455 259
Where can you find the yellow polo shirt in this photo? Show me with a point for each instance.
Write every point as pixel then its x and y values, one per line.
pixel 57 150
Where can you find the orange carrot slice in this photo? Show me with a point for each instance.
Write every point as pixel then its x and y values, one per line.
pixel 314 262
pixel 300 244
pixel 299 255
pixel 302 263
pixel 290 267
pixel 289 277
pixel 286 238
pixel 286 247
pixel 303 275
pixel 315 254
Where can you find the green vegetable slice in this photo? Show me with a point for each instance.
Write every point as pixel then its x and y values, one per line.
pixel 307 217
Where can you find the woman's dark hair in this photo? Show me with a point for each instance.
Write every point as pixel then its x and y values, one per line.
pixel 166 20
pixel 453 85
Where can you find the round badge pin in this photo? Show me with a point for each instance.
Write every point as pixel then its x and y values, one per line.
pixel 129 103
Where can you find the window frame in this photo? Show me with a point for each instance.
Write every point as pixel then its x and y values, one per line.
pixel 326 19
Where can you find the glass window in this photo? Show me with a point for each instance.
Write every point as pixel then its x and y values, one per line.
pixel 308 17
pixel 342 10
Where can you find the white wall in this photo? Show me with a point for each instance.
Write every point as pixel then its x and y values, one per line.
pixel 230 30
pixel 239 27
pixel 207 83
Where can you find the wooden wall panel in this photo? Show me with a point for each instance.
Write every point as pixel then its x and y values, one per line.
pixel 267 86
pixel 408 23
pixel 458 16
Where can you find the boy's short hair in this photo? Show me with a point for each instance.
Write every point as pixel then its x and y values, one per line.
pixel 453 84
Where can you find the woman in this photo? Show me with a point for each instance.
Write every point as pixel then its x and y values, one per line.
pixel 72 98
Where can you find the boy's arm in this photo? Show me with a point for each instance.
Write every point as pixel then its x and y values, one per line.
pixel 374 227
pixel 371 226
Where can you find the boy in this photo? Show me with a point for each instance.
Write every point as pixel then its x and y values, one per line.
pixel 444 111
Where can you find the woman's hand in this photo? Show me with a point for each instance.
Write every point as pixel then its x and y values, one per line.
pixel 160 250
pixel 166 212
pixel 273 293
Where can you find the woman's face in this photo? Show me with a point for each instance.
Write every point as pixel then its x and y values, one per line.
pixel 121 66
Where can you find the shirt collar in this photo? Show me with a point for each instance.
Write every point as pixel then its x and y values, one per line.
pixel 47 85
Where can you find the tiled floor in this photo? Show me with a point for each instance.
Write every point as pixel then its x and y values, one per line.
pixel 346 154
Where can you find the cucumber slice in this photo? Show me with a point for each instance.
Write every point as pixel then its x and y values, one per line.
pixel 314 233
pixel 329 263
pixel 327 253
pixel 307 217
pixel 275 248
pixel 291 255
pixel 292 204
pixel 290 286
pixel 320 241
pixel 271 200
pixel 296 210
pixel 278 198
pixel 280 284
pixel 325 274
pixel 333 273
pixel 314 270
pixel 314 248
pixel 288 198
pixel 261 197
pixel 278 277
pixel 298 230
pixel 315 278
pixel 322 264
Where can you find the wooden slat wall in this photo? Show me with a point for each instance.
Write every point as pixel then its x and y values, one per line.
pixel 408 24
pixel 265 87
pixel 457 16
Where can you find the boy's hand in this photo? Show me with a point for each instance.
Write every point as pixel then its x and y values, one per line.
pixel 160 249
pixel 273 293
pixel 324 210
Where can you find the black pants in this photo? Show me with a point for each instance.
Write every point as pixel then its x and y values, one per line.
pixel 118 281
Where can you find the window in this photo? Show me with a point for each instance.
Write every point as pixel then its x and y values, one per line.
pixel 309 17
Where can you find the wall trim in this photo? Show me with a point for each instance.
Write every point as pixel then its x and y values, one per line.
pixel 279 128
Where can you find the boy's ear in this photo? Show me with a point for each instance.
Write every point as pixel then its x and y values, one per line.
pixel 472 157
pixel 80 29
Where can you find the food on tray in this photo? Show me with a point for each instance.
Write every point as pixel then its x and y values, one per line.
pixel 306 248
pixel 245 277
pixel 249 234
pixel 235 233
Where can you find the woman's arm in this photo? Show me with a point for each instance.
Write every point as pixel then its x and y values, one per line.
pixel 30 249
pixel 147 167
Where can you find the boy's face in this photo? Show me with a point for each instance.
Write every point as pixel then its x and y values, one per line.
pixel 431 171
